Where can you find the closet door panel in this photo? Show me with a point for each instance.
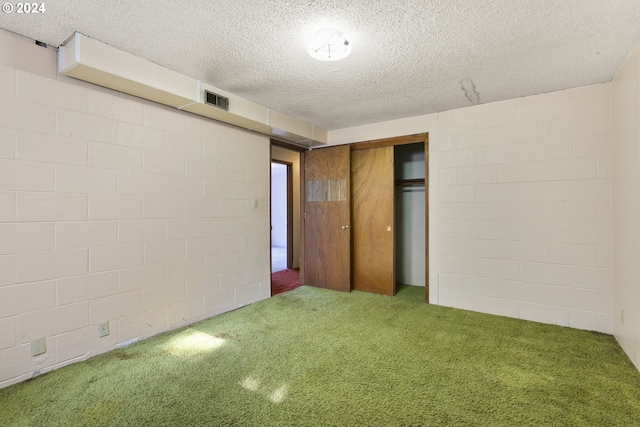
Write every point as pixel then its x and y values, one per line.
pixel 327 230
pixel 372 180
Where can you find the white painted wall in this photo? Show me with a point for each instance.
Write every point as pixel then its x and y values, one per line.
pixel 626 204
pixel 520 205
pixel 114 209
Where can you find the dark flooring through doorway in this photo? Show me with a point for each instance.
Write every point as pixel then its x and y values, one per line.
pixel 284 280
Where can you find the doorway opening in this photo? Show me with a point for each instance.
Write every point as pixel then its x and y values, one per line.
pixel 286 161
pixel 280 221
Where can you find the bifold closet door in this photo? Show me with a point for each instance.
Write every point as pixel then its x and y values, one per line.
pixel 327 218
pixel 372 180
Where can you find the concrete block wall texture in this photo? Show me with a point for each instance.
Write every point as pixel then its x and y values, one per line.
pixel 626 199
pixel 114 209
pixel 525 207
pixel 521 218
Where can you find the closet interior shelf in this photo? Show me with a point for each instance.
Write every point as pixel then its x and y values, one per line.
pixel 410 182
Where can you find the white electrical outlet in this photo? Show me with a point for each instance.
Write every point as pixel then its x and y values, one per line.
pixel 103 329
pixel 38 346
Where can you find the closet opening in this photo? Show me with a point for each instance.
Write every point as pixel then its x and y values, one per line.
pixel 410 215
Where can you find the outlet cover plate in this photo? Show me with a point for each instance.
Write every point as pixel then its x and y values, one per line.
pixel 38 346
pixel 103 329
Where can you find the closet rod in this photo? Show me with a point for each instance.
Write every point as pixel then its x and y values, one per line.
pixel 410 182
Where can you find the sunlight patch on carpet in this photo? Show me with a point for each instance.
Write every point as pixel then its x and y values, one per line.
pixel 278 394
pixel 195 342
pixel 251 383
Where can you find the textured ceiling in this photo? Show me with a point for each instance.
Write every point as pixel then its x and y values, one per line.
pixel 409 57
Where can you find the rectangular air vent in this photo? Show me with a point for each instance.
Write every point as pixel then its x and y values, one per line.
pixel 216 100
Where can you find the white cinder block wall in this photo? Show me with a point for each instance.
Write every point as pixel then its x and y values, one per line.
pixel 525 211
pixel 520 205
pixel 118 210
pixel 626 197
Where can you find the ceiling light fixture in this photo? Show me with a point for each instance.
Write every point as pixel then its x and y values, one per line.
pixel 329 45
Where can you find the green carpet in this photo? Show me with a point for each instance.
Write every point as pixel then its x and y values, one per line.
pixel 312 357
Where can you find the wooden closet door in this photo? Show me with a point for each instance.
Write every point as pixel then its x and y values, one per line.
pixel 327 229
pixel 372 173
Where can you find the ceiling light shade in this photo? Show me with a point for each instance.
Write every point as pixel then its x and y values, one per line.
pixel 329 45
